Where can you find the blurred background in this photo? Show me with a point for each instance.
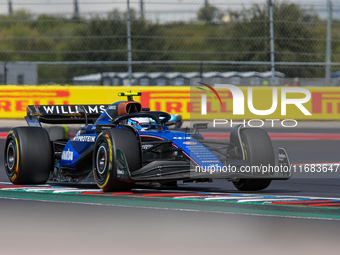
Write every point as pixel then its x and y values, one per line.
pixel 147 42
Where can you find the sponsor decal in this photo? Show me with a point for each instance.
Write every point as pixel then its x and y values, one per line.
pixel 33 122
pixel 67 155
pixel 146 146
pixel 326 102
pixel 112 107
pixel 190 143
pixel 173 100
pixel 84 138
pixel 120 172
pixel 71 109
pixel 15 99
pixel 282 156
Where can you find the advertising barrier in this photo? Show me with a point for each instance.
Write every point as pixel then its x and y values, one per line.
pixel 258 102
pixel 14 99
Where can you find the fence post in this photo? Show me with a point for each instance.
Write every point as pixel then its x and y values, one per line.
pixel 5 73
pixel 128 26
pixel 141 9
pixel 76 9
pixel 272 50
pixel 10 7
pixel 328 43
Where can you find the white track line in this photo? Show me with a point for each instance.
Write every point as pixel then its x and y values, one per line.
pixel 180 210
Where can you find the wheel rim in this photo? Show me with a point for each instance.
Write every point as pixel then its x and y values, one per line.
pixel 101 160
pixel 11 157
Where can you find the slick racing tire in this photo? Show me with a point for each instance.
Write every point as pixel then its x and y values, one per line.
pixel 115 149
pixel 259 151
pixel 28 155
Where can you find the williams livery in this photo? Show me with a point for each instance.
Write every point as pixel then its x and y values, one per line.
pixel 123 144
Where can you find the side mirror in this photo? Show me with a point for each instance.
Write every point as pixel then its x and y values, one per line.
pixel 198 126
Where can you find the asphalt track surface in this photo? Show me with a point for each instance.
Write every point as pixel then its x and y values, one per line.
pixel 298 216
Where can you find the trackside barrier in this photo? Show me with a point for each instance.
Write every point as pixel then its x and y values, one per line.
pixel 323 105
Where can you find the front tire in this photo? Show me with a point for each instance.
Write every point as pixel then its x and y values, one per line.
pixel 259 151
pixel 28 155
pixel 112 149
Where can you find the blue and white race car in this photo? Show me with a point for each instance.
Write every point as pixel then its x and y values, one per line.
pixel 123 144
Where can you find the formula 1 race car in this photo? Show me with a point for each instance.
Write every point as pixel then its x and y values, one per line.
pixel 123 144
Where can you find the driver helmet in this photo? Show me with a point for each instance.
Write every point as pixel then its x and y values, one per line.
pixel 141 123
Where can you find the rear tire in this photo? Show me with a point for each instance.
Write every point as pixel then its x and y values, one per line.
pixel 105 158
pixel 259 150
pixel 28 155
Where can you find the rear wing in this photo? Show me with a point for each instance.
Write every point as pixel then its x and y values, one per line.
pixel 64 114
